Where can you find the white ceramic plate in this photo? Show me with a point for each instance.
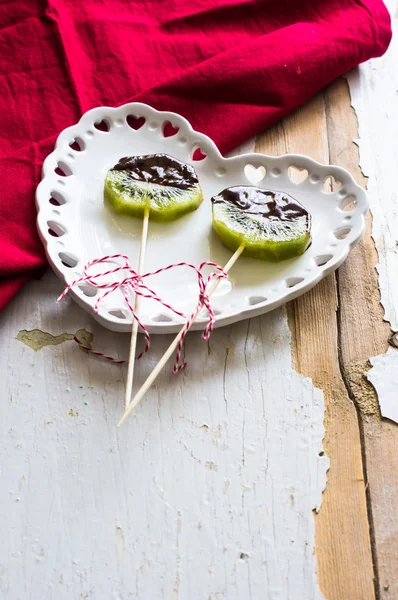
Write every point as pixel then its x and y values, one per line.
pixel 72 206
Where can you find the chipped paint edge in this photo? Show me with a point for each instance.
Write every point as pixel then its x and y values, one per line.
pixel 384 377
pixel 369 87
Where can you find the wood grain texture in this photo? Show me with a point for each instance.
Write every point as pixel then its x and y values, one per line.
pixel 343 547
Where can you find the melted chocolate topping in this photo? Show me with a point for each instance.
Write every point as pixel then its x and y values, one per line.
pixel 160 169
pixel 273 206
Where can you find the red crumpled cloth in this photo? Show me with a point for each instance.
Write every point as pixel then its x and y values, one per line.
pixel 231 67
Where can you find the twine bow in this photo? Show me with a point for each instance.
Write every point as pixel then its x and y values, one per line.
pixel 134 283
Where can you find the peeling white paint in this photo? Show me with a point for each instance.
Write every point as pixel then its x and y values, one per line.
pixel 141 511
pixel 374 97
pixel 384 377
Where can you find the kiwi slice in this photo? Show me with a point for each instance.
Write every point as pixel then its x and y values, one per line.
pixel 166 186
pixel 272 225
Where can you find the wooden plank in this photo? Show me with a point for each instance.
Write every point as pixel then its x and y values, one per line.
pixel 343 547
pixel 363 333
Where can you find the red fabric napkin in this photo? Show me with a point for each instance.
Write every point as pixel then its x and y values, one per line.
pixel 231 67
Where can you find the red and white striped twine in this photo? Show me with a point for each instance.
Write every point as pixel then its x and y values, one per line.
pixel 117 361
pixel 134 282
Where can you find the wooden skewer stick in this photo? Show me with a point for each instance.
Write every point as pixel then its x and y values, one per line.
pixel 134 330
pixel 151 378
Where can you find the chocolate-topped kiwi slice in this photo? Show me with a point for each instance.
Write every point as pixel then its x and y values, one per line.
pixel 166 186
pixel 272 225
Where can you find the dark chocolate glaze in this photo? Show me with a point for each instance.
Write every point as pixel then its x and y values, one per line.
pixel 273 206
pixel 161 169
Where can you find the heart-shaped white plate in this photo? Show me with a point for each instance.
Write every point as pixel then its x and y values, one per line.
pixel 76 226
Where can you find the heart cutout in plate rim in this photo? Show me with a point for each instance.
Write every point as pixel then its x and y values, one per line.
pixel 135 122
pixel 255 174
pixel 169 130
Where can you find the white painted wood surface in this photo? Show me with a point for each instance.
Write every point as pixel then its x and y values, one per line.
pixel 206 492
pixel 374 96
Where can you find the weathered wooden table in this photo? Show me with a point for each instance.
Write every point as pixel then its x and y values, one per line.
pixel 209 490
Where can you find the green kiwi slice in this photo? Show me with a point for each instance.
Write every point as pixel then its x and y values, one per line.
pixel 166 186
pixel 272 225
